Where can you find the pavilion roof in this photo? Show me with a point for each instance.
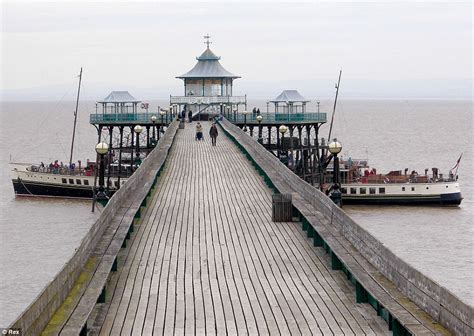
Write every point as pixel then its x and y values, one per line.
pixel 290 96
pixel 119 97
pixel 208 66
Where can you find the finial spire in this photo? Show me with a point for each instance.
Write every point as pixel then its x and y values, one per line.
pixel 207 42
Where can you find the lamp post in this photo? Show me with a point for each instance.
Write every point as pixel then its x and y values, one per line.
pixel 245 120
pixel 153 136
pixel 235 113
pixel 259 119
pixel 282 129
pixel 335 148
pixel 138 129
pixel 162 114
pixel 101 148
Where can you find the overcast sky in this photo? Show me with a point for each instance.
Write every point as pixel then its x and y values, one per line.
pixel 389 49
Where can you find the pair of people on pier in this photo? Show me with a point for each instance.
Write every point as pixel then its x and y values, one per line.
pixel 213 133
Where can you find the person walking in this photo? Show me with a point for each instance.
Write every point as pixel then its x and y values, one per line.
pixel 213 133
pixel 190 116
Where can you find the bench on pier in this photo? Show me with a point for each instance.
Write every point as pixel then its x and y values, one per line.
pixel 72 317
pixel 330 227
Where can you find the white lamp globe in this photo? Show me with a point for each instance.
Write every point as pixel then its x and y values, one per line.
pixel 335 147
pixel 101 148
pixel 138 129
pixel 282 129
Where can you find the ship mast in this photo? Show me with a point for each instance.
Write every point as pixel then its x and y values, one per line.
pixel 334 108
pixel 75 117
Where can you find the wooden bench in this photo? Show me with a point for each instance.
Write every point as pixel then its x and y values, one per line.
pixel 317 214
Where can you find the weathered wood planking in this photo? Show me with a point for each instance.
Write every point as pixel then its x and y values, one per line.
pixel 207 259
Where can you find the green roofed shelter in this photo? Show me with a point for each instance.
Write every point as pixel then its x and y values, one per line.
pixel 291 101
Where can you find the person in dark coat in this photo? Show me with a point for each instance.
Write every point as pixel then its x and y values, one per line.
pixel 213 133
pixel 190 116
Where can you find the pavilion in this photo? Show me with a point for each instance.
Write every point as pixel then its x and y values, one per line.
pixel 208 85
pixel 290 101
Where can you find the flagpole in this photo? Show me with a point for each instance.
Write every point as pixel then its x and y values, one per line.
pixel 457 165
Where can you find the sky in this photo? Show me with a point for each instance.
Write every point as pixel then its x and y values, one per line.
pixel 385 49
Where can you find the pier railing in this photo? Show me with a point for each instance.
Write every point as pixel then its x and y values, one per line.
pixel 277 118
pixel 365 260
pixel 203 100
pixel 139 118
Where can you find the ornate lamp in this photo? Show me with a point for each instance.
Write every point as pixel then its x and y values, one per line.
pixel 335 148
pixel 245 120
pixel 101 148
pixel 138 129
pixel 153 136
pixel 259 119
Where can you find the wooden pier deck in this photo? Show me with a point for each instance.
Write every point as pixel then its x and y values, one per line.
pixel 207 259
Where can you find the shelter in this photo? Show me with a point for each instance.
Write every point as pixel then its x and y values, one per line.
pixel 208 77
pixel 290 101
pixel 118 102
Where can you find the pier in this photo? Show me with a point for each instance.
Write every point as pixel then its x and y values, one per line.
pixel 187 246
pixel 188 243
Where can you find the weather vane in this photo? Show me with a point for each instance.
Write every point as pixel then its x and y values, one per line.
pixel 207 37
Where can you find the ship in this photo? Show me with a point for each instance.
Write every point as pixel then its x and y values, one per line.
pixel 69 180
pixel 61 181
pixel 362 185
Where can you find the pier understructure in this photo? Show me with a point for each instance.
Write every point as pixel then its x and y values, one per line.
pixel 130 130
pixel 298 147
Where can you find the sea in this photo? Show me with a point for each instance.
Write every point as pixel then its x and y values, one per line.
pixel 38 235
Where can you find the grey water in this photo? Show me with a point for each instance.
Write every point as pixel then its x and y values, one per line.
pixel 38 236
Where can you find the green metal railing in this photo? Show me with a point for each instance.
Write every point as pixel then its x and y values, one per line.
pixel 144 118
pixel 277 117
